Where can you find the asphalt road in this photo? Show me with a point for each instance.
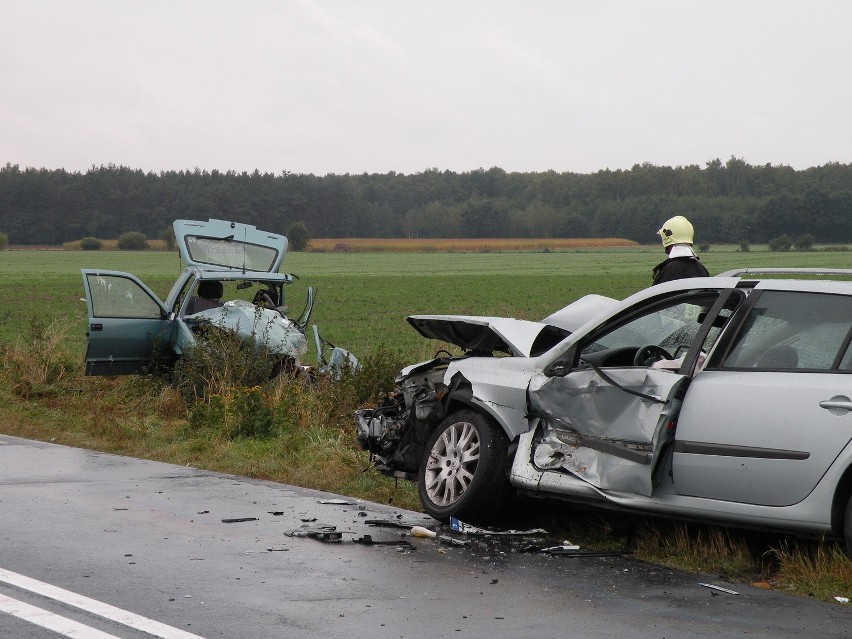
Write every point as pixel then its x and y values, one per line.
pixel 96 546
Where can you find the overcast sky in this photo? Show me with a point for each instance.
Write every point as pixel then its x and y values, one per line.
pixel 354 86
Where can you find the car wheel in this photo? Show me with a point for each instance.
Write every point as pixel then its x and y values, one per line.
pixel 462 473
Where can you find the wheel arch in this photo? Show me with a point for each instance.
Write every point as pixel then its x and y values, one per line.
pixel 841 498
pixel 461 396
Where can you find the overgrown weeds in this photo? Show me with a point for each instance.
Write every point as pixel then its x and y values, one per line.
pixel 38 362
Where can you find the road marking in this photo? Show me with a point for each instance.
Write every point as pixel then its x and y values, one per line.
pixel 49 620
pixel 138 622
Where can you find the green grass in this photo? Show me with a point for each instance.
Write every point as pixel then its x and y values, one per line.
pixel 363 300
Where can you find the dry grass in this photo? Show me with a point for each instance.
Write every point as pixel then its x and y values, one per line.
pixel 461 245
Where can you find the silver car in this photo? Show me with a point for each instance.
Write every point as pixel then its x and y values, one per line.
pixel 724 399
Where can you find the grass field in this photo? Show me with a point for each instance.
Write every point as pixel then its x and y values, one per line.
pixel 363 298
pixel 362 302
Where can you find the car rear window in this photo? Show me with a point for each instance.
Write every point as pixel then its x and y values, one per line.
pixel 793 330
pixel 230 253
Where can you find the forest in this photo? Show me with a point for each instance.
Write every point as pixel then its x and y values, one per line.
pixel 730 202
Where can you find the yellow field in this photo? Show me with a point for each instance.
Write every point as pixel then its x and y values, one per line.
pixel 470 245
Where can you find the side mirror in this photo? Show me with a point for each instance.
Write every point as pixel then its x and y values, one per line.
pixel 558 369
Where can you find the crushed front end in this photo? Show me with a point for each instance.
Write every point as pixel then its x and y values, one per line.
pixel 395 432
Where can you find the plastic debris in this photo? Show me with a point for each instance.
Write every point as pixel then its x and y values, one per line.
pixel 336 502
pixel 237 520
pixel 842 599
pixel 468 529
pixel 719 588
pixel 367 540
pixel 420 531
pixel 389 523
pixel 452 541
pixel 325 533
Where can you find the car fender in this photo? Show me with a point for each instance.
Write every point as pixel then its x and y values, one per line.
pixel 497 386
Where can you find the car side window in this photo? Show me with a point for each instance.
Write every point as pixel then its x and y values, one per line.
pixel 793 330
pixel 671 327
pixel 115 296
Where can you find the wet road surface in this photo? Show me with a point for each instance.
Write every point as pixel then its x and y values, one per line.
pixel 96 546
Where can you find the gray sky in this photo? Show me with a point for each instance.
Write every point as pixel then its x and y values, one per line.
pixel 353 86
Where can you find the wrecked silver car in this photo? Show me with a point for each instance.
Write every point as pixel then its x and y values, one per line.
pixel 230 282
pixel 724 399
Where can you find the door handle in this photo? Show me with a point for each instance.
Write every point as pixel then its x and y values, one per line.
pixel 97 327
pixel 837 405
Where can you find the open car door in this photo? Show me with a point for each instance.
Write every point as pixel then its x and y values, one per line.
pixel 606 411
pixel 128 326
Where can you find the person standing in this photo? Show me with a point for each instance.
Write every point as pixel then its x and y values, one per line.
pixel 681 261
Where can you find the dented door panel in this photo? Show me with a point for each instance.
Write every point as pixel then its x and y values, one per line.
pixel 600 432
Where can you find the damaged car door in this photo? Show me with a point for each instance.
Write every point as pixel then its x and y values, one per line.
pixel 607 407
pixel 128 326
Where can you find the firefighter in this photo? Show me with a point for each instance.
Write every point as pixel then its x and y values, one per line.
pixel 677 235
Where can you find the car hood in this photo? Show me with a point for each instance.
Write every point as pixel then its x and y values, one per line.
pixel 480 334
pixel 521 338
pixel 219 244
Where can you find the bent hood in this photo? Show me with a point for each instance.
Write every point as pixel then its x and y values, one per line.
pixel 480 334
pixel 521 338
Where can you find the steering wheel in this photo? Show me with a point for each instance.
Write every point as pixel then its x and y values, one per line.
pixel 649 354
pixel 262 299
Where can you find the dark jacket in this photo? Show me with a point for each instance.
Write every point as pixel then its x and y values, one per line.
pixel 677 268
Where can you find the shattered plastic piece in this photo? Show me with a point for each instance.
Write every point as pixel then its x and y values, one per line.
pixel 842 599
pixel 307 519
pixel 564 547
pixel 420 531
pixel 276 513
pixel 367 540
pixel 719 588
pixel 277 549
pixel 336 502
pixel 237 520
pixel 320 533
pixel 388 523
pixel 452 541
pixel 462 527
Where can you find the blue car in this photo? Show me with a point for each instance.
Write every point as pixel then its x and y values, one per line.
pixel 230 281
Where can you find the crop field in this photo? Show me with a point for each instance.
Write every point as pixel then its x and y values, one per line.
pixel 363 298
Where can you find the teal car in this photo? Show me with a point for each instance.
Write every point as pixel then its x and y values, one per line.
pixel 230 280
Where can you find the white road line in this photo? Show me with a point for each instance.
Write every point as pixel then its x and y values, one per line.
pixel 95 607
pixel 49 620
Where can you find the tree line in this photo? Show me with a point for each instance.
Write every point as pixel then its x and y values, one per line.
pixel 727 202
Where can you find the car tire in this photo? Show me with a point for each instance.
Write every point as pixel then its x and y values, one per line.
pixel 463 470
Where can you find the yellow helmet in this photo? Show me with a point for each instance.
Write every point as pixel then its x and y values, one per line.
pixel 676 230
